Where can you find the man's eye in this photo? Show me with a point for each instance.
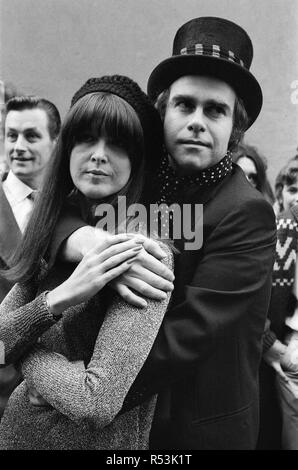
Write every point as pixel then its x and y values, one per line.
pixel 216 110
pixel 31 137
pixel 11 136
pixel 183 105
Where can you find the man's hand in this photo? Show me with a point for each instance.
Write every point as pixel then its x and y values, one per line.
pixel 274 357
pixel 81 241
pixel 147 276
pixel 289 360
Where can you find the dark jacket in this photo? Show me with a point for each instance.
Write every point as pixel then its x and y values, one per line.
pixel 10 235
pixel 205 359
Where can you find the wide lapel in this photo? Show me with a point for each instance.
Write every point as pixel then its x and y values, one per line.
pixel 10 234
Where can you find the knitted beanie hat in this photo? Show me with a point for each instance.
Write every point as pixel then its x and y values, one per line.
pixel 130 91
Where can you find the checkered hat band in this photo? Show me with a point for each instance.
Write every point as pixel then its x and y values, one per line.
pixel 213 51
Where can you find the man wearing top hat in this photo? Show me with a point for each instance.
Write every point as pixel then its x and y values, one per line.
pixel 204 362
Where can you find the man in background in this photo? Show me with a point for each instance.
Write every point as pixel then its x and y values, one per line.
pixel 32 126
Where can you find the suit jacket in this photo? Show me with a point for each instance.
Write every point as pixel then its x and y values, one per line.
pixel 206 356
pixel 10 235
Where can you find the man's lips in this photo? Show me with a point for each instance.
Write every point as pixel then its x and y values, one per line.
pixel 23 159
pixel 198 143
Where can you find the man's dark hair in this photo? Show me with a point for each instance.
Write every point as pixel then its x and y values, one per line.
pixel 287 176
pixel 240 117
pixel 20 103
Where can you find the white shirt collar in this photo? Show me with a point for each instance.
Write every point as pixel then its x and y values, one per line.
pixel 15 189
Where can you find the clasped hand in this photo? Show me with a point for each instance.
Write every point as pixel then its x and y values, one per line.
pixel 145 276
pixel 100 265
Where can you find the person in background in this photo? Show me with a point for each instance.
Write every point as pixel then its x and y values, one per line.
pixel 286 190
pixel 255 168
pixel 7 91
pixel 281 335
pixel 32 126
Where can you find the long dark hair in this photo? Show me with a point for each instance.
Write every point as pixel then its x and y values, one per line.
pixel 95 112
pixel 262 183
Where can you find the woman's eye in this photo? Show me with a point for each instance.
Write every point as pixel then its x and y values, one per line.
pixel 116 143
pixel 85 138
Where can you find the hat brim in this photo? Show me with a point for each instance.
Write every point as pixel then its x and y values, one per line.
pixel 241 80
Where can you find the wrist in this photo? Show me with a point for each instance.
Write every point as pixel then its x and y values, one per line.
pixel 55 304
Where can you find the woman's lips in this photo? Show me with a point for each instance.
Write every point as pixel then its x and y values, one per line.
pixel 197 143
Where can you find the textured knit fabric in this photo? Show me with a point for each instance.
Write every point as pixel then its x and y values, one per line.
pixel 283 302
pixel 83 401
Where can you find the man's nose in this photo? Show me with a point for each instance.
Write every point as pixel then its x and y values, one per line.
pixel 196 121
pixel 20 144
pixel 99 152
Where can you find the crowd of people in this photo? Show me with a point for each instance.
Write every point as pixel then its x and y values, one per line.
pixel 117 332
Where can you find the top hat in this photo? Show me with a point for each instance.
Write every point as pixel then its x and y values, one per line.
pixel 215 47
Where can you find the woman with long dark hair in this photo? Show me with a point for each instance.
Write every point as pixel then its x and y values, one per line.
pixel 80 345
pixel 254 167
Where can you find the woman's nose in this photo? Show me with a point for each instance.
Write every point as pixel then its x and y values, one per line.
pixel 99 153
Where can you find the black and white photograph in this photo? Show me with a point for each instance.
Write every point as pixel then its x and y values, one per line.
pixel 148 227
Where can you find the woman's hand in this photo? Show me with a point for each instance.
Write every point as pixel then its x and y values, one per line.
pixel 99 266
